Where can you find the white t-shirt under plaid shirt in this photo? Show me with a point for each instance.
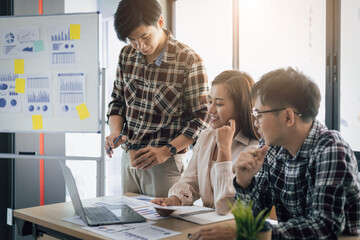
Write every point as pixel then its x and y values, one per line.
pixel 162 99
pixel 316 193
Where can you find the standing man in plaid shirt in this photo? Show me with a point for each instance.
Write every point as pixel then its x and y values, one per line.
pixel 308 172
pixel 159 99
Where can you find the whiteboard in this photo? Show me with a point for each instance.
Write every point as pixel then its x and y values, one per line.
pixel 61 74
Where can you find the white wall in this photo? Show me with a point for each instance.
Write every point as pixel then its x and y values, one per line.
pixel 75 6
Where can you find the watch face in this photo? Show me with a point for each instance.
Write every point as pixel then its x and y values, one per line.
pixel 173 150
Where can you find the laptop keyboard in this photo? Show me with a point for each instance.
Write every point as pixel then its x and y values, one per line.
pixel 100 214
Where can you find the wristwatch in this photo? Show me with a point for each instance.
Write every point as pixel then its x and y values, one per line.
pixel 172 149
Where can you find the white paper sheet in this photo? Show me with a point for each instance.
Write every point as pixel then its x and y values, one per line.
pixel 147 232
pixel 149 213
pixel 122 200
pixel 10 101
pixel 18 42
pixel 145 200
pixel 38 98
pixel 71 88
pixel 64 52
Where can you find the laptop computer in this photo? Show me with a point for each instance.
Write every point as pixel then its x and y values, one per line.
pixel 95 216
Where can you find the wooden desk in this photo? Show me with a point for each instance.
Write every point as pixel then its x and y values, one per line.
pixel 47 220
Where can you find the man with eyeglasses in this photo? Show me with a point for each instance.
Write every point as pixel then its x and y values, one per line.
pixel 309 173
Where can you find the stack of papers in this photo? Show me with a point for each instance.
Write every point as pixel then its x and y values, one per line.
pixel 131 231
pixel 195 214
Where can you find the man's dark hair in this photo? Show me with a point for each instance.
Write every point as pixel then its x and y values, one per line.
pixel 130 14
pixel 286 87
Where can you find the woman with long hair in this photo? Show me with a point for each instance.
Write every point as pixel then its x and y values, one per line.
pixel 209 175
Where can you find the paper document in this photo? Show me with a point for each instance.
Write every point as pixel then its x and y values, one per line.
pixel 149 213
pixel 145 201
pixel 123 200
pixel 195 214
pixel 201 215
pixel 147 232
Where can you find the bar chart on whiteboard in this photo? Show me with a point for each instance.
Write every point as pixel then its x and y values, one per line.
pixel 71 92
pixel 38 96
pixel 10 101
pixel 63 50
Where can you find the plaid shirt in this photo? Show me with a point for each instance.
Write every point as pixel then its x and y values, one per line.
pixel 316 193
pixel 162 99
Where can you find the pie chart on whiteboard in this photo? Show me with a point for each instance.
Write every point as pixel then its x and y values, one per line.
pixel 2 102
pixel 9 38
pixel 65 108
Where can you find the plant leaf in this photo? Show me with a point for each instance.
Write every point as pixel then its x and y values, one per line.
pixel 247 226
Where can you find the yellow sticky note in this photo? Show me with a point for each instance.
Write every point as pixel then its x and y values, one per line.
pixel 19 66
pixel 19 85
pixel 37 122
pixel 74 31
pixel 82 111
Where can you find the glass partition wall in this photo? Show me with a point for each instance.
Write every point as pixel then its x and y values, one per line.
pixel 281 33
pixel 350 73
pixel 206 26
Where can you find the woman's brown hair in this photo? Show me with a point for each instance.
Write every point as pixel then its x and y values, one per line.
pixel 239 86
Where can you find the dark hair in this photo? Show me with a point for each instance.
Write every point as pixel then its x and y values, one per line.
pixel 239 86
pixel 286 87
pixel 130 14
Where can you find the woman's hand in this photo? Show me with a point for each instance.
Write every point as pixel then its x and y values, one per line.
pixel 224 139
pixel 171 201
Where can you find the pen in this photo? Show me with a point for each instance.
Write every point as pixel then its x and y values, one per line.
pixel 117 139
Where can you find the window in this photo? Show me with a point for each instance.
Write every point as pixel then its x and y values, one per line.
pixel 281 33
pixel 350 72
pixel 84 173
pixel 83 144
pixel 206 26
pixel 112 47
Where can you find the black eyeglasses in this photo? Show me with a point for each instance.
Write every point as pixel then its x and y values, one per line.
pixel 256 113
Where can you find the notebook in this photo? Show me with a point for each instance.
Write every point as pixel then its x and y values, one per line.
pixel 201 215
pixel 95 216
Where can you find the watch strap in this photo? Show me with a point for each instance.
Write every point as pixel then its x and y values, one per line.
pixel 172 149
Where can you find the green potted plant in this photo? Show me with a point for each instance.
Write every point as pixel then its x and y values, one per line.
pixel 248 226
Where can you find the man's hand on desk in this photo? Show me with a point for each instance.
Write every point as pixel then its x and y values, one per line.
pixel 216 232
pixel 171 201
